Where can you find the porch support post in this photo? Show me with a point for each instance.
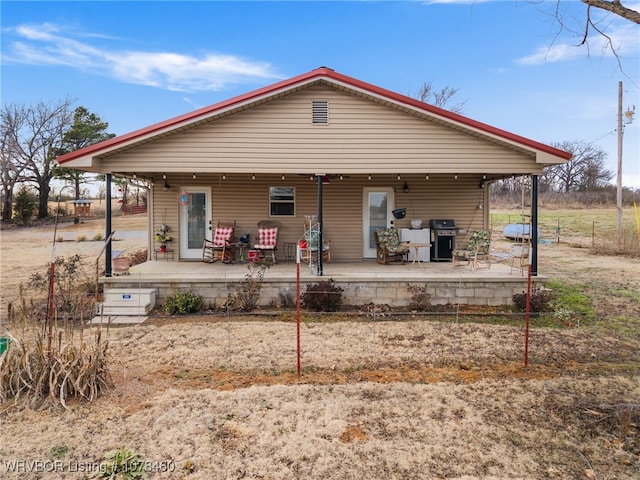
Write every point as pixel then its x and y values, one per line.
pixel 320 240
pixel 107 235
pixel 534 225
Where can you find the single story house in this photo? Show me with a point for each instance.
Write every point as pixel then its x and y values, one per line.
pixel 319 144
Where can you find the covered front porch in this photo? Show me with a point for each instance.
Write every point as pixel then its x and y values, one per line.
pixel 363 282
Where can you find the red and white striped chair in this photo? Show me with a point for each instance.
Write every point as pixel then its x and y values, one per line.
pixel 220 248
pixel 267 238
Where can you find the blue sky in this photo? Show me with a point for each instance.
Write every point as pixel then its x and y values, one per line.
pixel 137 63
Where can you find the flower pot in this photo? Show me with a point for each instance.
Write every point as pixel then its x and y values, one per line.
pixel 163 248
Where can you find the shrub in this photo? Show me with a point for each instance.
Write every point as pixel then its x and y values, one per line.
pixel 322 296
pixel 245 296
pixel 539 302
pixel 25 206
pixel 72 288
pixel 420 298
pixel 182 303
pixel 98 237
pixel 81 238
pixel 137 257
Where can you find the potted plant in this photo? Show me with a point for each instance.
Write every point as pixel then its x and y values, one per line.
pixel 162 237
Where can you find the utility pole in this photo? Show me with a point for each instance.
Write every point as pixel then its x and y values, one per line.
pixel 619 179
pixel 628 116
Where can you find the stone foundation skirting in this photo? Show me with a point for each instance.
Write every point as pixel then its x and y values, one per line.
pixel 395 293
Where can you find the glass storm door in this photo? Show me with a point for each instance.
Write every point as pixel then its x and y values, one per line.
pixel 378 204
pixel 195 220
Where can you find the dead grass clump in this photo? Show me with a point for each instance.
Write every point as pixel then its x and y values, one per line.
pixel 41 368
pixel 613 418
pixel 137 257
pixel 628 246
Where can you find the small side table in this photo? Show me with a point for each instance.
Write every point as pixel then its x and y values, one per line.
pixel 416 249
pixel 166 254
pixel 242 247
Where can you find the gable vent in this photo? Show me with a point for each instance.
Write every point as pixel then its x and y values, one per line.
pixel 320 112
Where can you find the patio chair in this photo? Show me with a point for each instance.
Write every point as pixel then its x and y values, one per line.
pixel 220 248
pixel 478 251
pixel 309 242
pixel 388 246
pixel 519 257
pixel 267 238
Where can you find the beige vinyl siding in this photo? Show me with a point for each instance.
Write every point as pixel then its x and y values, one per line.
pixel 246 201
pixel 362 137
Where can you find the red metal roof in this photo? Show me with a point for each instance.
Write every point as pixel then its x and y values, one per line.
pixel 319 73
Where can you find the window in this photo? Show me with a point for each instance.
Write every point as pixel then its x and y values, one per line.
pixel 282 202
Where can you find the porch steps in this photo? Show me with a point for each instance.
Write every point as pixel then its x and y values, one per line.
pixel 127 302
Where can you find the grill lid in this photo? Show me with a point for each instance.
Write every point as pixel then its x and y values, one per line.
pixel 440 224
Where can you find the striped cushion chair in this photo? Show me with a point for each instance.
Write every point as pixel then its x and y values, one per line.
pixel 220 248
pixel 267 238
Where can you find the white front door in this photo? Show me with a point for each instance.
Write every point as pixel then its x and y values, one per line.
pixel 195 220
pixel 377 206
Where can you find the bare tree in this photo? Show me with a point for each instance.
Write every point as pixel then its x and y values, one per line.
pixel 584 171
pixel 10 170
pixel 613 6
pixel 440 98
pixel 594 23
pixel 33 139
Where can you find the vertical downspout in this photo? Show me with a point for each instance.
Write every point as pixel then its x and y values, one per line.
pixel 534 225
pixel 320 240
pixel 107 258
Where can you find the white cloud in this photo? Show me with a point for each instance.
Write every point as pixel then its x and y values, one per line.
pixel 49 44
pixel 623 39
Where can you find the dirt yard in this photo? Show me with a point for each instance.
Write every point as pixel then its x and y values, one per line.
pixel 216 398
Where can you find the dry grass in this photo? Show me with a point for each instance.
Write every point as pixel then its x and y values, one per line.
pixel 42 368
pixel 399 400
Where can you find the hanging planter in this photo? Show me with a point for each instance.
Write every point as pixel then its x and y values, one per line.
pixel 399 213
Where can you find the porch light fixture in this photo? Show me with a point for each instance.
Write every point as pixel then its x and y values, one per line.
pixel 253 176
pixel 369 176
pixel 134 175
pixel 166 186
pixel 405 187
pixel 455 177
pixel 282 177
pixel 398 176
pixel 193 176
pixel 426 177
pixel 224 177
pixel 341 177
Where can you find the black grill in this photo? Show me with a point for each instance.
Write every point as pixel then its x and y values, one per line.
pixel 443 239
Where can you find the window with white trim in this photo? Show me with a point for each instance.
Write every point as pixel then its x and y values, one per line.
pixel 282 201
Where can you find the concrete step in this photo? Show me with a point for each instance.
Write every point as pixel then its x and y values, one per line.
pixel 131 295
pixel 123 309
pixel 127 301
